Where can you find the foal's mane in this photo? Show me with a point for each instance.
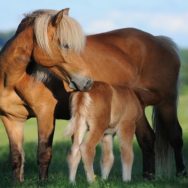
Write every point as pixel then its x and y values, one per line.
pixel 68 32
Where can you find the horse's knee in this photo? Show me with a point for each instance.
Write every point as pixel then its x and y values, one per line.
pixel 87 152
pixel 146 138
pixel 147 142
pixel 175 138
pixel 176 142
pixel 107 159
pixel 44 159
pixel 83 150
pixel 73 154
pixel 44 154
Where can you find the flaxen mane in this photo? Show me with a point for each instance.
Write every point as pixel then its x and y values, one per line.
pixel 69 32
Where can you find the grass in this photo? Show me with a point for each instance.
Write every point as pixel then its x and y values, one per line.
pixel 58 172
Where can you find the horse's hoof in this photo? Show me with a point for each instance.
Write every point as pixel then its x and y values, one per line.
pixel 182 173
pixel 43 179
pixel 148 176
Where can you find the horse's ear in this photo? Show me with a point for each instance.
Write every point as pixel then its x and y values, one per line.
pixel 58 17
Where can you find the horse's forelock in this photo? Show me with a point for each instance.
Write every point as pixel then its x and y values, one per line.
pixel 41 34
pixel 69 32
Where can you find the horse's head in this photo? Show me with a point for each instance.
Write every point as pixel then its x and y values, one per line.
pixel 57 45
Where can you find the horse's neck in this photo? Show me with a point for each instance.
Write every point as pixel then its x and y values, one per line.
pixel 14 60
pixel 12 71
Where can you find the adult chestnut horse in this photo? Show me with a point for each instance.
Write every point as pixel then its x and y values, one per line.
pixel 148 64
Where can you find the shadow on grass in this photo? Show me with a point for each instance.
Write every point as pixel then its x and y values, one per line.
pixel 58 172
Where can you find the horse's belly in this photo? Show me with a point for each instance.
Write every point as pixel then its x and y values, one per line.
pixel 148 97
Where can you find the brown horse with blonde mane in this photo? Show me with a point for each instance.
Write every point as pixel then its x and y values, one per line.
pixel 102 112
pixel 148 64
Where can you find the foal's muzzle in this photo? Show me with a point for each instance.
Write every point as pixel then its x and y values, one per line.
pixel 80 83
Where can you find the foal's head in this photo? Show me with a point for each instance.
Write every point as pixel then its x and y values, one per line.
pixel 58 41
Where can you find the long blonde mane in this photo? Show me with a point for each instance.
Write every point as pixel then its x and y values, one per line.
pixel 69 32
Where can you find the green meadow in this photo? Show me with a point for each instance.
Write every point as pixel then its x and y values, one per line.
pixel 58 172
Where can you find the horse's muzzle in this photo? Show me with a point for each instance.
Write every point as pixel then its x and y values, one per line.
pixel 80 83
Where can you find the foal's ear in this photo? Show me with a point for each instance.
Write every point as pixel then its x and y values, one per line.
pixel 59 16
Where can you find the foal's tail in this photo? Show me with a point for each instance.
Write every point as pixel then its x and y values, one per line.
pixel 80 102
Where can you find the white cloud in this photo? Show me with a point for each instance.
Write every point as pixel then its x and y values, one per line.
pixel 159 23
pixel 100 26
pixel 171 23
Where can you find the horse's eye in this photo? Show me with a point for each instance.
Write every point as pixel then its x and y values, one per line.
pixel 66 46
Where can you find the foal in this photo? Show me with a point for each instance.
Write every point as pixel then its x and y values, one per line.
pixel 102 112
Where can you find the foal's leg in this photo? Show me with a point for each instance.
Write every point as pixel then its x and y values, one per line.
pixel 94 135
pixel 126 133
pixel 75 155
pixel 146 140
pixel 15 131
pixel 107 158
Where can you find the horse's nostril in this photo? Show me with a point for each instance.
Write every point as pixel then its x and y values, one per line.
pixel 88 84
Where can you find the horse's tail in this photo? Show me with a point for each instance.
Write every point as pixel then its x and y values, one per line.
pixel 168 43
pixel 163 150
pixel 164 155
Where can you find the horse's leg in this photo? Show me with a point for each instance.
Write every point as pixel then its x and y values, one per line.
pixel 75 155
pixel 15 132
pixel 46 126
pixel 88 148
pixel 44 109
pixel 43 106
pixel 146 140
pixel 168 126
pixel 126 133
pixel 107 158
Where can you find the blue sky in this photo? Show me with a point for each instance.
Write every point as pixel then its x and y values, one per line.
pixel 159 17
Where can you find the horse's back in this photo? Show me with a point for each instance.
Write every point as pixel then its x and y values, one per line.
pixel 154 61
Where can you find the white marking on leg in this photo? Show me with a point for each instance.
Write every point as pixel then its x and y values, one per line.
pixel 127 166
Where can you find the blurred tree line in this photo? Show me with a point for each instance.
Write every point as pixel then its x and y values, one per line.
pixel 184 68
pixel 4 36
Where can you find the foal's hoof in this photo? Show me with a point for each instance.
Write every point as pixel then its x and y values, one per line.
pixel 18 178
pixel 148 176
pixel 72 182
pixel 182 173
